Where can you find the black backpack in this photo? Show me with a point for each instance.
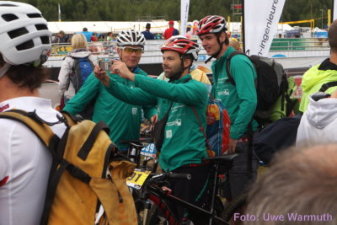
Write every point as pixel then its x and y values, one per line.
pixel 276 137
pixel 82 68
pixel 271 83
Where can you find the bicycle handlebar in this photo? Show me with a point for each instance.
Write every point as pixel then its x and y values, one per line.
pixel 164 176
pixel 186 176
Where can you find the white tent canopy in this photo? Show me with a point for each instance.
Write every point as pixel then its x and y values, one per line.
pixel 157 26
pixel 108 26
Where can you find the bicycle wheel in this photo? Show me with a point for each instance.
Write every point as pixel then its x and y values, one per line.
pixel 153 217
pixel 235 206
pixel 160 215
pixel 219 210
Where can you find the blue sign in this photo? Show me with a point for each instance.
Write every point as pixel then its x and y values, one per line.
pixel 149 150
pixel 202 58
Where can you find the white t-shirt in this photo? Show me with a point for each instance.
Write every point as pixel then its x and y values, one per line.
pixel 24 163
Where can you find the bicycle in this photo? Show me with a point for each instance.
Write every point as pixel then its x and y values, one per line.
pixel 137 152
pixel 157 210
pixel 143 153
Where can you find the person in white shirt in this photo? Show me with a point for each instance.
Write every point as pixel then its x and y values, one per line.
pixel 24 161
pixel 319 121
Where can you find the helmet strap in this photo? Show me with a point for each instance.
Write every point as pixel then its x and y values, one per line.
pixel 4 69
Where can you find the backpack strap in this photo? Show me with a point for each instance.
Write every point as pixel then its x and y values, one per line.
pixel 29 119
pixel 56 146
pixel 71 76
pixel 328 85
pixel 70 120
pixel 228 62
pixel 71 73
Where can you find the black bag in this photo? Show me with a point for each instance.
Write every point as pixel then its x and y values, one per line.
pixel 277 136
pixel 271 84
pixel 159 131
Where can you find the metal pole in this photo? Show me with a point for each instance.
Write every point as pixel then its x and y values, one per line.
pixel 333 10
pixel 243 26
pixel 322 17
pixel 59 12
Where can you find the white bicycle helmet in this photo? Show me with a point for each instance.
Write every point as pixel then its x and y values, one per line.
pixel 24 35
pixel 130 37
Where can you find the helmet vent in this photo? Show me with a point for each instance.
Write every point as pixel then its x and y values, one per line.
pixel 26 45
pixel 34 15
pixel 124 39
pixel 9 17
pixel 7 5
pixel 41 27
pixel 45 40
pixel 18 32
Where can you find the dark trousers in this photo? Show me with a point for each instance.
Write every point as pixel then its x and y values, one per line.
pixel 242 173
pixel 193 191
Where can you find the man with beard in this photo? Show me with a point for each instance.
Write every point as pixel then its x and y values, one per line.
pixel 183 147
pixel 122 119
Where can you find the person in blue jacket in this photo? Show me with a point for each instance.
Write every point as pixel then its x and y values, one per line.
pixel 147 33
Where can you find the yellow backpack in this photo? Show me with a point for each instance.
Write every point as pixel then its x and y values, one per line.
pixel 87 183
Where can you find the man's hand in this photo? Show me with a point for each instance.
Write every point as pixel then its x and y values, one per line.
pixel 154 119
pixel 232 145
pixel 102 76
pixel 122 70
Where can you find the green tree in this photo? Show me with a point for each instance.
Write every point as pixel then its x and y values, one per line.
pixel 133 10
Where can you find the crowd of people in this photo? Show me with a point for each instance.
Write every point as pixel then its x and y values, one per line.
pixel 123 95
pixel 62 38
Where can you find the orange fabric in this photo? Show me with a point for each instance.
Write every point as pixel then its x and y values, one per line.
pixel 114 194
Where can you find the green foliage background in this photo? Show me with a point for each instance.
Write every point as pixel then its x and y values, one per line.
pixel 134 10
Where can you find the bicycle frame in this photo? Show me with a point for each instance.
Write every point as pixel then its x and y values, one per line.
pixel 159 197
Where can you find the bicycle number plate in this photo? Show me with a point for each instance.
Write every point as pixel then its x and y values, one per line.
pixel 149 151
pixel 137 179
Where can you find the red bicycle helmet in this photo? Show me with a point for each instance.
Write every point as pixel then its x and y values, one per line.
pixel 211 24
pixel 181 45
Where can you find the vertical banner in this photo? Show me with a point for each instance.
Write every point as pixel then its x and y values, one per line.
pixel 334 8
pixel 184 9
pixel 59 12
pixel 260 24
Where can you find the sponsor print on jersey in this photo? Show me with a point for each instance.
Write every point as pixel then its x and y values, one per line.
pixel 168 134
pixel 176 122
pixel 176 107
pixel 134 111
pixel 224 92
